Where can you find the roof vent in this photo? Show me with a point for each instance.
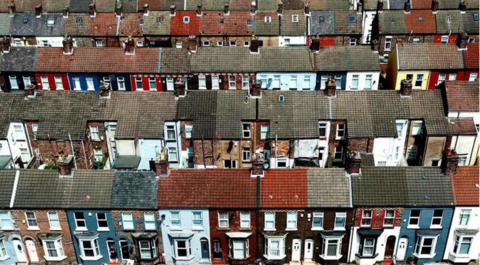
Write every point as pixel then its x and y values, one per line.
pixel 424 177
pixel 79 20
pixel 426 197
pixel 475 17
pixel 352 19
pixel 392 19
pixel 281 98
pixel 25 19
pixel 420 19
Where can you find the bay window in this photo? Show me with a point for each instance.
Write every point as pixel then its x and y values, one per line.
pixel 331 248
pixel 462 245
pixel 274 247
pixel 89 249
pixel 147 248
pixel 238 248
pixel 53 249
pixel 368 247
pixel 425 246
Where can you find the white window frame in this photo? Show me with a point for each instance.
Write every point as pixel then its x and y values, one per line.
pixel 52 218
pixel 77 220
pixel 264 131
pixel 444 39
pixel 417 128
pixel 170 84
pixel 269 221
pixel 366 218
pixel 340 215
pixel 26 80
pixel 279 253
pixel 152 81
pixel 232 82
pixel 233 163
pixel 19 135
pixel 219 43
pixel 436 218
pixel 149 221
pixel 202 82
pixel 292 221
pixel 441 78
pixel 246 154
pixel 13 82
pixel 410 218
pixel 176 223
pixel 25 155
pixel 246 131
pixel 368 82
pixel 369 246
pixel 268 19
pixel 457 245
pixel 139 83
pixel 327 242
pixel 128 222
pixel 206 43
pixel 34 225
pixel 464 213
pixel 355 82
pixel 223 221
pixel 323 125
pixel 76 83
pixel 245 220
pixel 102 228
pixel 245 82
pixel 386 217
pixel 95 247
pixel 295 18
pixel 306 82
pixel 452 77
pixel 472 77
pixel 170 129
pixel 188 249
pixel 237 246
pixel 58 82
pixel 121 83
pixel 178 44
pixel 233 43
pixel 90 83
pixel 419 245
pixel 388 43
pixel 352 42
pixel 317 215
pixel 341 127
pixel 44 81
pixel 151 246
pixel 188 130
pixel 98 154
pixel 215 82
pixel 338 150
pixel 94 132
pixel 417 80
pixel 186 19
pixel 6 217
pixel 58 248
pixel 197 223
pixel 282 160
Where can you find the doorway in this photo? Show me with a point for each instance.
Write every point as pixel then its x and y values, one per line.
pixel 32 250
pixel 389 247
pixel 296 249
pixel 205 249
pixel 402 248
pixel 19 250
pixel 217 249
pixel 308 255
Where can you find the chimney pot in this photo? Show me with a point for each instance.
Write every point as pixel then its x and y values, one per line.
pixel 192 44
pixel 307 9
pixel 5 44
pixel 199 9
pixel 406 88
pixel 226 9
pixel 130 46
pixel 408 7
pixel 257 164
pixel 146 9
pixel 435 5
pixel 38 10
pixel 451 162
pixel 380 6
pixel 118 11
pixel 253 7
pixel 11 9
pixel 359 8
pixel 463 6
pixel 92 10
pixel 67 45
pixel 172 10
pixel 280 8
pixel 104 89
pixel 331 87
pixel 256 90
pixel 462 41
pixel 66 12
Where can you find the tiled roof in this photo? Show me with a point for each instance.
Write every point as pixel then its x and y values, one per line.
pixel 262 28
pixel 217 5
pixel 420 21
pixel 178 27
pixel 77 24
pixel 19 60
pixel 293 4
pixel 322 23
pixel 448 4
pixel 328 187
pixel 421 4
pixel 208 188
pixel 5 21
pixel 281 188
pixel 370 4
pixel 328 4
pixel 152 26
pixel 465 186
pixel 103 24
pixel 462 95
pixel 368 160
pixel 80 6
pixel 392 22
pixel 216 23
pixel 414 186
pixel 290 28
pixel 7 178
pixel 347 58
pixel 470 25
pixel 153 5
pixel 201 107
pixel 463 126
pixel 29 5
pixel 36 26
pixel 453 21
pixel 105 5
pixel 106 60
pixel 131 24
pixel 174 61
pixel 425 56
pixel 135 190
pixel 395 4
pixel 472 4
pixel 128 6
pixel 348 22
pixel 471 56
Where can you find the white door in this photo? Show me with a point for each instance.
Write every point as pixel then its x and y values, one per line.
pixel 296 249
pixel 32 251
pixel 19 250
pixel 308 250
pixel 402 248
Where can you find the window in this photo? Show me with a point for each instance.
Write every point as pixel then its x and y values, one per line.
pixel 475 17
pixel 102 221
pixel 414 218
pixel 389 219
pixel 140 43
pixel 18 43
pixel 45 43
pixel 58 82
pixel 417 128
pixel 293 82
pixel 127 221
pixel 351 19
pixel 31 220
pixel 80 221
pixel 3 250
pixel 160 19
pixel 464 217
pixel 441 78
pixel 382 163
pixel 397 152
pixel 6 222
pixel 24 154
pixel 138 82
pixel 98 154
pixel 367 218
pixel 170 84
pixel 175 219
pixel 437 218
pixel 263 81
pixel 471 40
pixel 473 77
pixel 183 248
pixel 230 163
pixel 172 154
pixel 306 82
pixel 245 220
pixel 245 82
pixel 53 249
pixel 149 221
pixel 215 82
pixel 186 19
pixel 388 43
pixel 99 43
pixel 292 220
pixel 435 163
pixel 341 130
pixel 412 152
pixel 269 221
pixel 197 220
pixel 233 43
pixel 462 245
pixel 338 156
pixel 246 154
pixel 294 18
pixel 317 221
pixel 444 39
pixel 54 221
pixel 416 40
pixel 232 83
pixel 188 130
pixel 425 246
pixel 368 82
pixel 331 248
pixel 452 77
pixel 368 247
pixel 246 43
pixel 223 219
pixel 340 220
pixel 462 160
pixel 90 85
pixel 246 131
pixel 76 83
pixel 202 83
pixel 147 249
pixel 124 250
pixel 399 126
pixel 276 81
pixel 264 132
pixel 354 85
pixel 44 80
pixel 322 129
pixel 321 151
pixel 323 81
pixel 238 248
pixel 275 247
pixel 268 19
pixel 13 82
pixel 27 81
pixel 152 82
pixel 220 43
pixel 18 132
pixel 206 43
pixel 352 42
pixel 121 83
pixel 281 162
pixel 170 132
pixel 89 249
pixel 419 81
pixel 178 44
pixel 94 133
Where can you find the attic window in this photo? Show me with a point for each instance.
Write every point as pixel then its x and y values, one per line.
pixel 268 19
pixel 295 18
pixel 352 19
pixel 321 19
pixel 475 17
pixel 281 98
pixel 186 19
pixel 222 21
pixel 420 19
pixel 392 19
pixel 79 20
pixel 449 19
pixel 160 19
pixel 50 21
pixel 140 21
pixel 25 19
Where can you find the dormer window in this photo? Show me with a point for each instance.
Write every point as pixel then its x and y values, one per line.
pixel 352 19
pixel 140 21
pixel 268 19
pixel 294 18
pixel 50 21
pixel 449 19
pixel 186 20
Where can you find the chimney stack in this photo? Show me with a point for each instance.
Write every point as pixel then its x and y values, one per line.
pixel 450 164
pixel 256 90
pixel 118 11
pixel 199 10
pixel 5 44
pixel 315 45
pixel 129 46
pixel 406 88
pixel 280 8
pixel 434 6
pixel 463 7
pixel 307 9
pixel 254 45
pixel 161 163
pixel 38 10
pixel 65 165
pixel 30 91
pixel 104 89
pixel 66 12
pixel 462 41
pixel 226 10
pixel 92 10
pixel 146 9
pixel 67 45
pixel 192 44
pixel 253 7
pixel 257 165
pixel 11 9
pixel 408 8
pixel 331 87
pixel 359 8
pixel 380 6
pixel 172 10
pixel 354 162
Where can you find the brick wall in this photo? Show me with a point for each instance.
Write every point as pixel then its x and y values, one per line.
pixel 360 145
pixel 378 216
pixel 91 144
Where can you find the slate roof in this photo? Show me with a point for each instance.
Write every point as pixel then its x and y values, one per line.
pixel 457 22
pixel 462 95
pixel 217 5
pixel 80 6
pixel 344 25
pixel 413 187
pixel 135 190
pixel 325 26
pixel 127 162
pixel 472 4
pixel 7 178
pixel 179 28
pixel 130 24
pixel 371 5
pixel 106 60
pixel 51 191
pixel 358 58
pixel 392 22
pixel 448 4
pixel 208 188
pixel 19 59
pixel 5 21
pixel 290 28
pixel 328 187
pixel 77 24
pixel 201 107
pixel 29 5
pixel 151 25
pixel 216 23
pixel 36 26
pixel 368 160
pixel 328 4
pixel 262 28
pixel 420 22
pixel 174 61
pixel 395 4
pixel 128 6
pixel 284 188
pixel 270 59
pixel 471 56
pixel 463 126
pixel 465 186
pixel 429 56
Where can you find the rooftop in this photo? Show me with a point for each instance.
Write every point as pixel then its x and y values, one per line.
pixel 429 56
pixel 135 190
pixel 462 95
pixel 465 186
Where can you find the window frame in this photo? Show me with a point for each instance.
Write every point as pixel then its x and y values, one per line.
pixel 188 248
pixel 149 222
pixel 58 82
pixel 121 83
pixel 43 80
pixel 6 217
pixel 58 248
pixel 3 250
pixel 366 218
pixel 368 82
pixel 102 228
pixel 322 125
pixel 264 131
pixel 189 130
pixel 215 82
pixel 411 217
pixel 270 217
pixel 420 244
pixel 292 217
pixel 246 131
pixel 244 219
pixel 232 82
pixel 199 224
pixel 174 221
pixel 233 163
pixel 352 42
pixel 472 75
pixel 94 132
pixel 202 82
pixel 245 83
pixel 125 220
pixel 436 218
pixel 244 248
pixel 246 154
pixel 224 219
pixel 95 248
pixel 282 160
pixel 340 215
pixel 319 215
pixel 356 81
pixel 444 39
pixel 326 242
pixel 139 83
pixel 50 220
pixel 372 246
pixel 457 245
pixel 419 76
pixel 343 134
pixel 77 220
pixel 386 217
pixel 295 18
pixel 152 81
pixel 170 129
pixel 31 219
pixel 13 80
pixel 467 213
pixel 388 43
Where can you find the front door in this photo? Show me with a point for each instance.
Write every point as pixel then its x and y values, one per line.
pixel 296 249
pixel 389 247
pixel 19 250
pixel 217 249
pixel 402 248
pixel 308 249
pixel 205 249
pixel 32 250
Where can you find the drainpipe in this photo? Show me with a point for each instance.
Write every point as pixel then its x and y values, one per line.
pixel 276 155
pixel 73 153
pixel 84 153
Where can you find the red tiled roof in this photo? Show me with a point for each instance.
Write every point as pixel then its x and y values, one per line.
pixel 103 24
pixel 465 185
pixel 422 4
pixel 462 95
pixel 109 60
pixel 463 126
pixel 233 24
pixel 130 25
pixel 427 25
pixel 217 188
pixel 471 56
pixel 177 27
pixel 285 188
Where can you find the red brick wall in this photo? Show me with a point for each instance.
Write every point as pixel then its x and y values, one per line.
pixel 360 145
pixel 378 216
pixel 90 144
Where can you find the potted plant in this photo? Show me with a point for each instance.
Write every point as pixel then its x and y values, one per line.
pixel 411 259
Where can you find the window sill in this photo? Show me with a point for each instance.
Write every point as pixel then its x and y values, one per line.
pixel 224 228
pixel 5 258
pixel 339 229
pixel 183 258
pixel 435 227
pixel 35 228
pixel 91 258
pixel 366 226
pixel 8 228
pixel 81 229
pixel 103 229
pixel 275 258
pixel 290 229
pixel 425 256
pixel 413 227
pixel 175 228
pixel 269 229
pixel 331 257
pixel 56 229
pixel 197 229
pixel 246 228
pixel 366 257
pixel 317 228
pixel 55 259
